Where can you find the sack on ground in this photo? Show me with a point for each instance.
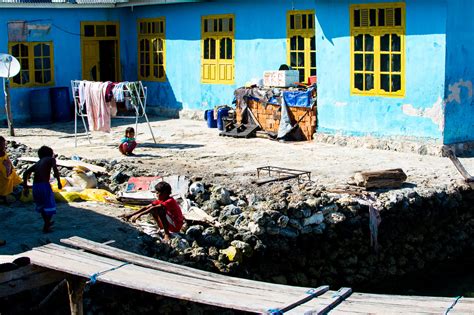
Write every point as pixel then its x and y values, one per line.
pixel 83 178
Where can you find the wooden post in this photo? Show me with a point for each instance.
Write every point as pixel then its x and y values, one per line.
pixel 75 290
pixel 8 111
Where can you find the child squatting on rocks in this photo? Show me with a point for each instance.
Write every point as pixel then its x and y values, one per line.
pixel 165 210
pixel 128 143
pixel 42 193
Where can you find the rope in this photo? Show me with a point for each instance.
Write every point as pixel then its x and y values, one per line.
pixel 93 278
pixel 452 305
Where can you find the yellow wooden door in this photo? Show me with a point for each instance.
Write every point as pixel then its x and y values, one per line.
pixel 90 60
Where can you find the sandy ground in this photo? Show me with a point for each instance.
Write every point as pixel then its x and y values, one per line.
pixel 189 147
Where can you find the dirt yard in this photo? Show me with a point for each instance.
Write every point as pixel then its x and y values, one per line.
pixel 188 147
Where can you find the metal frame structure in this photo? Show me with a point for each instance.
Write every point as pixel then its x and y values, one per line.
pixel 281 174
pixel 80 110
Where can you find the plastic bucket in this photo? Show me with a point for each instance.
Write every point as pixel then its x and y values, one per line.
pixel 221 113
pixel 40 106
pixel 211 122
pixel 60 104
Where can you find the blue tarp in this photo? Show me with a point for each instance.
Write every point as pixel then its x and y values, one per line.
pixel 298 98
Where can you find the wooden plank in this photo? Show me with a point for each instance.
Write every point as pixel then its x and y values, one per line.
pixel 104 263
pixel 69 164
pixel 416 300
pixel 166 284
pixel 156 264
pixel 98 262
pixel 213 295
pixel 383 304
pixel 27 278
pixel 380 308
pixel 257 298
pixel 7 258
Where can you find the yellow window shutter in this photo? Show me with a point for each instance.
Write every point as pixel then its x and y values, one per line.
pixel 364 17
pixel 390 17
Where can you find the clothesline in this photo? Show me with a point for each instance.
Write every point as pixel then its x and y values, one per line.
pixel 96 101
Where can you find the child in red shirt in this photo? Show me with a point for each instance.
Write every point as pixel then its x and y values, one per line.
pixel 165 210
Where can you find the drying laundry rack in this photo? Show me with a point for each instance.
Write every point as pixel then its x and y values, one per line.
pixel 139 108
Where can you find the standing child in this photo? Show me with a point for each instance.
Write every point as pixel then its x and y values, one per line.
pixel 42 192
pixel 165 210
pixel 128 143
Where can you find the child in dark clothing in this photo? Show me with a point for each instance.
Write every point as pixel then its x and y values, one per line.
pixel 128 143
pixel 42 192
pixel 165 210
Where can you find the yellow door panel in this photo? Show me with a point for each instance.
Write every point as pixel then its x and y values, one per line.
pixel 221 72
pixel 212 73
pixel 90 61
pixel 205 72
pixel 229 75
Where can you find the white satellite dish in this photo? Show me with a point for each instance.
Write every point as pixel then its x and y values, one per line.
pixel 9 66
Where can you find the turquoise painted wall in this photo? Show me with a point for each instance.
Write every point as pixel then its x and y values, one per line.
pixel 459 115
pixel 64 32
pixel 260 34
pixel 419 113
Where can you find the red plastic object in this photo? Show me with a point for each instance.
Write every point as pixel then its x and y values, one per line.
pixel 312 80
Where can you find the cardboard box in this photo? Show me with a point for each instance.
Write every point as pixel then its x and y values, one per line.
pixel 282 78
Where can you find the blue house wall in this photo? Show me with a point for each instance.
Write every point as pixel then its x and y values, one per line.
pixel 459 112
pixel 260 36
pixel 64 32
pixel 434 65
pixel 419 112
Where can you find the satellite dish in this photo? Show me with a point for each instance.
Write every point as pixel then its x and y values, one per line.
pixel 9 66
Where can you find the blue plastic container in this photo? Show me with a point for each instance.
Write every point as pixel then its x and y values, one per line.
pixel 211 122
pixel 60 104
pixel 40 106
pixel 221 113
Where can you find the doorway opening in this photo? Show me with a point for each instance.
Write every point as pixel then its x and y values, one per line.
pixel 100 51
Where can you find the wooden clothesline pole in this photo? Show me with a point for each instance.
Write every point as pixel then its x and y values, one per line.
pixel 8 111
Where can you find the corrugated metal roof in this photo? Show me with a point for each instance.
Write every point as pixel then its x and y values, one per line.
pixel 86 3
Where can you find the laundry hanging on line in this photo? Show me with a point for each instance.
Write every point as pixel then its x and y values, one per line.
pixel 99 111
pixel 99 99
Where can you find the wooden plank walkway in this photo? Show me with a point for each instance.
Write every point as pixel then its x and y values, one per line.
pixel 137 272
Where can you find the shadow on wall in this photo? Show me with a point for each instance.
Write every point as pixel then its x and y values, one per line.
pixel 333 28
pixel 161 92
